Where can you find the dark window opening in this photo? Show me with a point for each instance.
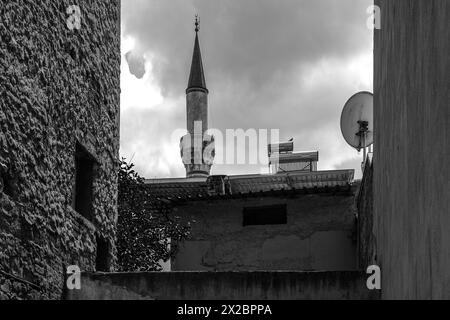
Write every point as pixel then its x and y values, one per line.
pixel 8 185
pixel 266 215
pixel 102 259
pixel 84 179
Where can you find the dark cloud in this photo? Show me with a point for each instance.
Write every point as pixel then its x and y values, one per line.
pixel 254 41
pixel 287 64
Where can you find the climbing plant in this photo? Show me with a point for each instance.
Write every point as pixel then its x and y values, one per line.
pixel 147 230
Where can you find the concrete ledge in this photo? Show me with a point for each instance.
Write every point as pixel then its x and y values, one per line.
pixel 264 285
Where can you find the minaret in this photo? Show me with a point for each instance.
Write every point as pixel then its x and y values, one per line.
pixel 197 148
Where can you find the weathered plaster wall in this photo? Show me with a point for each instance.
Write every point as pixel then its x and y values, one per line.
pixel 56 85
pixel 412 138
pixel 318 235
pixel 224 286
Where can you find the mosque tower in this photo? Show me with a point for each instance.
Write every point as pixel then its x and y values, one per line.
pixel 197 147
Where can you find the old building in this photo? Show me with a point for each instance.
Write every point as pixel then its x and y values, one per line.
pixel 404 201
pixel 411 191
pixel 285 221
pixel 59 142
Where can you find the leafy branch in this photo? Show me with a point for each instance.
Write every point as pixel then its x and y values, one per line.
pixel 147 232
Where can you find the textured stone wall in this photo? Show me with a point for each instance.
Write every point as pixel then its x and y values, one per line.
pixel 285 285
pixel 57 86
pixel 412 153
pixel 319 235
pixel 365 225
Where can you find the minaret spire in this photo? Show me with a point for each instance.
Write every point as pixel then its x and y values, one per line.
pixel 197 75
pixel 197 147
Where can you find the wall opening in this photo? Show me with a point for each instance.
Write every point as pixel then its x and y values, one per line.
pixel 265 215
pixel 102 259
pixel 84 180
pixel 8 184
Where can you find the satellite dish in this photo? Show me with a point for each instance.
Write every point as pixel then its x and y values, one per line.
pixel 357 121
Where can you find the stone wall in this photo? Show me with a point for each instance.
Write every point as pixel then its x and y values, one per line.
pixel 57 86
pixel 342 285
pixel 319 234
pixel 365 224
pixel 412 153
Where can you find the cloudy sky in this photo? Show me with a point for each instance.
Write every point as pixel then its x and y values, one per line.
pixel 285 64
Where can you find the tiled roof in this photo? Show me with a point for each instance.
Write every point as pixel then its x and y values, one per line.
pixel 242 185
pixel 178 190
pixel 291 180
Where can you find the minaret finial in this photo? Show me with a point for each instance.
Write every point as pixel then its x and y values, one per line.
pixel 197 23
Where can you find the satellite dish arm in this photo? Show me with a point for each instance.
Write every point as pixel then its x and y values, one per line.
pixel 363 129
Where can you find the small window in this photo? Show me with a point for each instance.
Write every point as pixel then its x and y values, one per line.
pixel 266 215
pixel 8 185
pixel 84 179
pixel 102 259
